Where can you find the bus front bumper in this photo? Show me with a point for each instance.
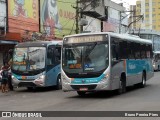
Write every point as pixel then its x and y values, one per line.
pixel 85 87
pixel 26 83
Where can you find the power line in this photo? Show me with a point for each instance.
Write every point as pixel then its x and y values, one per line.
pixel 89 24
pixel 65 2
pixel 72 27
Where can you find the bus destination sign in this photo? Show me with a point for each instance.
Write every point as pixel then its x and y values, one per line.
pixel 85 39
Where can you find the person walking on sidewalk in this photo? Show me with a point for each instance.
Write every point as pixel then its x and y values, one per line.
pixel 4 82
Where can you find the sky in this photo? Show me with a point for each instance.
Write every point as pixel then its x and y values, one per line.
pixel 127 3
pixel 130 2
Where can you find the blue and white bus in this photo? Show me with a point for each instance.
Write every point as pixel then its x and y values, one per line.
pixel 156 60
pixel 105 61
pixel 37 64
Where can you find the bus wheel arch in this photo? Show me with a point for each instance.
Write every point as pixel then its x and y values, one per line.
pixel 143 83
pixel 59 82
pixel 122 84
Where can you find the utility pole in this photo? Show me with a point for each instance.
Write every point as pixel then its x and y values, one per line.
pixel 77 16
pixel 120 22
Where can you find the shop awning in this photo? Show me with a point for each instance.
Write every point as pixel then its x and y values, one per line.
pixel 8 42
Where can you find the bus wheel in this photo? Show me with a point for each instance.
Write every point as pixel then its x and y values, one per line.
pixel 59 83
pixel 158 68
pixel 122 86
pixel 81 93
pixel 143 83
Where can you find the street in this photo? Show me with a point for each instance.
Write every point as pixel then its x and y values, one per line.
pixel 47 99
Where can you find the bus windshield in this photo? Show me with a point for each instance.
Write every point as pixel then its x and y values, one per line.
pixel 83 60
pixel 29 59
pixel 157 57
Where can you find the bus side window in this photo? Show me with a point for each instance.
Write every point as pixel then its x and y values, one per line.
pixel 57 53
pixel 50 55
pixel 114 51
pixel 131 51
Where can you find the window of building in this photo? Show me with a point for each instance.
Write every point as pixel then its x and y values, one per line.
pixel 138 5
pixel 153 3
pixel 147 15
pixel 147 10
pixel 146 21
pixel 153 15
pixel 154 27
pixel 153 21
pixel 138 10
pixel 146 4
pixel 153 9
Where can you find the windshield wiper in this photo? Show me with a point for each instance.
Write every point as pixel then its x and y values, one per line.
pixel 90 50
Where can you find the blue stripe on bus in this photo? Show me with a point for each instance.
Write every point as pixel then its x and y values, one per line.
pixel 137 66
pixel 87 80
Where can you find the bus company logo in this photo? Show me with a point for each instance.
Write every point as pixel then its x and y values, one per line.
pixel 132 66
pixel 83 80
pixel 6 114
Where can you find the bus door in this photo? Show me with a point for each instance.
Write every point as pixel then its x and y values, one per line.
pixel 52 64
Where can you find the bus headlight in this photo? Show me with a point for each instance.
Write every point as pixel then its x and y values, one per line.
pixel 104 79
pixel 40 80
pixel 14 78
pixel 154 64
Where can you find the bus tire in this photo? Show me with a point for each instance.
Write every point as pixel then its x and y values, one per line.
pixel 81 93
pixel 143 83
pixel 122 86
pixel 158 68
pixel 59 83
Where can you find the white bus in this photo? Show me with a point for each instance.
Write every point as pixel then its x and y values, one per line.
pixel 105 61
pixel 156 61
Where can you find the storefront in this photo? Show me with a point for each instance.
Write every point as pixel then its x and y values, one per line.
pixel 7 43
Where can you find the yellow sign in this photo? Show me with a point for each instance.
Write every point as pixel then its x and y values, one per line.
pixel 23 15
pixel 57 18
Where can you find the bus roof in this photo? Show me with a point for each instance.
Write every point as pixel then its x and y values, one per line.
pixel 156 52
pixel 128 37
pixel 38 43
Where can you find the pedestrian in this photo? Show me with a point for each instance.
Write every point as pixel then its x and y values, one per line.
pixel 10 75
pixel 4 82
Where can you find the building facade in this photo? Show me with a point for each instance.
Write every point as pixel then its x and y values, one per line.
pixel 150 9
pixel 26 20
pixel 104 16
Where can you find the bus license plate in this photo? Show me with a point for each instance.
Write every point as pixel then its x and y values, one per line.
pixel 83 89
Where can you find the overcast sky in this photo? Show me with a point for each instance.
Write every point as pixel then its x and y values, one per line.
pixel 127 3
pixel 130 2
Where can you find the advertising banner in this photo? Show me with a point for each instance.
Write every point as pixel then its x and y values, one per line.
pixel 57 18
pixel 23 15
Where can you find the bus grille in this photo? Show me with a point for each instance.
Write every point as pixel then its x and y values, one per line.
pixel 26 84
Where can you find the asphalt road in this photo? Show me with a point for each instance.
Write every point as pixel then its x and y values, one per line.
pixel 48 99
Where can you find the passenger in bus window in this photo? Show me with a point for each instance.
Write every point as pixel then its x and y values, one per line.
pixel 148 54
